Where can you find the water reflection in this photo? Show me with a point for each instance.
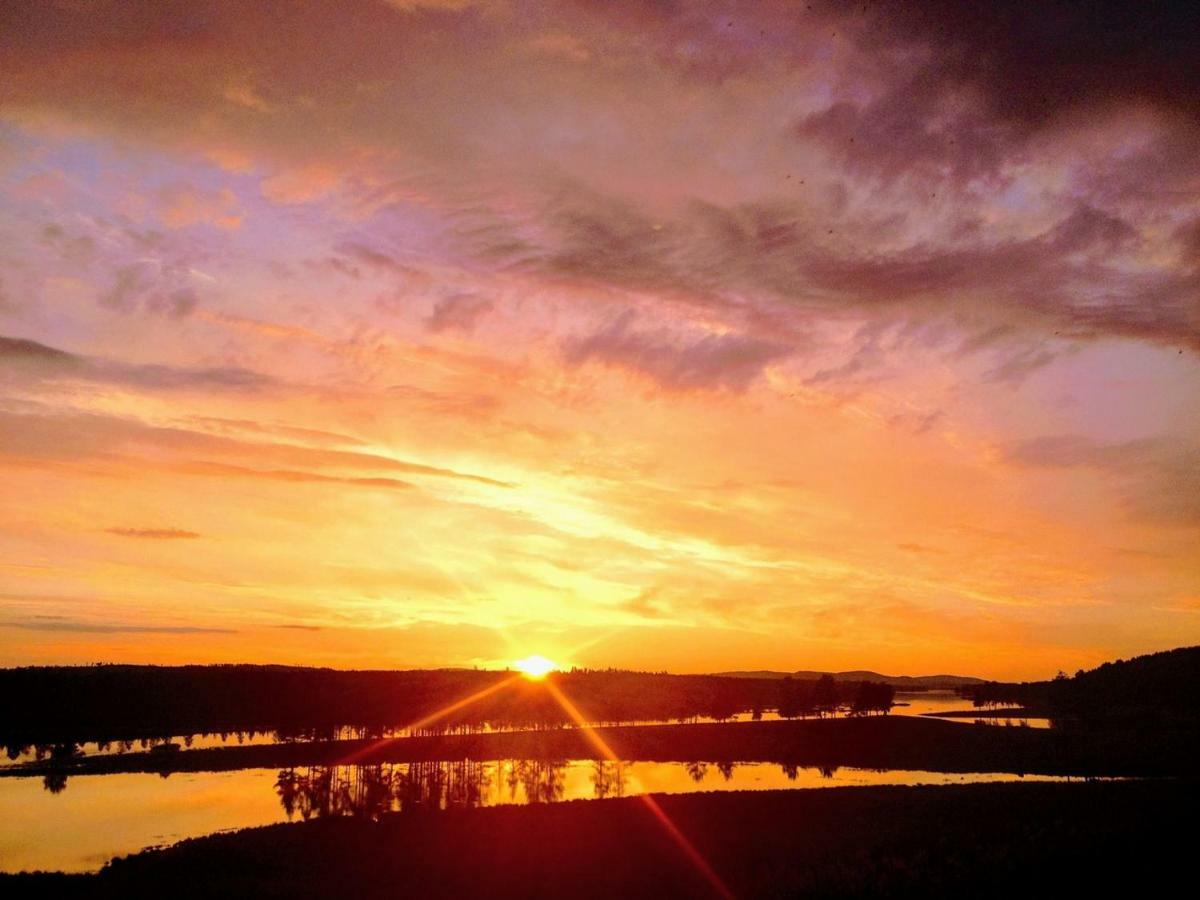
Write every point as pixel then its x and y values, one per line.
pixel 101 816
pixel 370 791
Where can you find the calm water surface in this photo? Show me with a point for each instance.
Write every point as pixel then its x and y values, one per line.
pixel 96 817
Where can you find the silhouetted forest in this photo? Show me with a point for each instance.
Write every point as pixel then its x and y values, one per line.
pixel 50 709
pixel 1157 691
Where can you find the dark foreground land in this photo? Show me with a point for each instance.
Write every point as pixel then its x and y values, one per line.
pixel 992 840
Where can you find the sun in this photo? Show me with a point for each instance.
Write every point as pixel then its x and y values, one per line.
pixel 535 667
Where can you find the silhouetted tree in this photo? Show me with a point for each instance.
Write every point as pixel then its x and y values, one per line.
pixel 872 697
pixel 789 699
pixel 825 695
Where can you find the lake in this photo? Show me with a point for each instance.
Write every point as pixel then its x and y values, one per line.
pixel 95 817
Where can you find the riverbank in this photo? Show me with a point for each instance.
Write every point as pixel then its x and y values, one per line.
pixel 871 742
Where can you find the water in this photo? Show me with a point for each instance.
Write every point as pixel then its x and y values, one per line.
pixel 96 817
pixel 77 824
pixel 921 704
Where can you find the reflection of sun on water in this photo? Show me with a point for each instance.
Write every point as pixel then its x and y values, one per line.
pixel 535 666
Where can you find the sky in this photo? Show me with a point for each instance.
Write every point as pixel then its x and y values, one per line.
pixel 684 336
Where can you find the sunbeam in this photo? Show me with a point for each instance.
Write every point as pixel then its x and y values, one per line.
pixel 689 849
pixel 364 752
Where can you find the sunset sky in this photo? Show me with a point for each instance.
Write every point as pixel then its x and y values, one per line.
pixel 670 336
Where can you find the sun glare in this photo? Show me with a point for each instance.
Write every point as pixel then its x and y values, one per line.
pixel 535 666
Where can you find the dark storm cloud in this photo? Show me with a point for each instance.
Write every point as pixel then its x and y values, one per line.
pixel 1035 65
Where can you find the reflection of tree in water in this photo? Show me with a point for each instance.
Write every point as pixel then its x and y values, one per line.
pixel 438 785
pixel 544 781
pixel 59 754
pixel 371 791
pixel 541 781
pixel 792 770
pixel 726 770
pixel 696 771
pixel 608 778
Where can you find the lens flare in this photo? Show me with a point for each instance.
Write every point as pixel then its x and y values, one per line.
pixel 535 667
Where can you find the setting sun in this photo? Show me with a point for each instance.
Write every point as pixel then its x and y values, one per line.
pixel 535 666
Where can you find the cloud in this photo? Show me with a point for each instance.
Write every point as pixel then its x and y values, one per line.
pixel 39 362
pixel 21 349
pixel 884 170
pixel 184 206
pixel 459 312
pixel 868 243
pixel 1069 450
pixel 445 403
pixel 291 475
pixel 916 422
pixel 73 248
pixel 82 627
pixel 369 256
pixel 152 287
pixel 559 44
pixel 308 436
pixel 1035 71
pixel 75 435
pixel 692 362
pixel 1161 476
pixel 154 534
pixel 1083 273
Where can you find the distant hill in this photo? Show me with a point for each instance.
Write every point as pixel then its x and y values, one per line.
pixel 899 682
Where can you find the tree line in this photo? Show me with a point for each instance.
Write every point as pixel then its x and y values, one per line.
pixel 53 706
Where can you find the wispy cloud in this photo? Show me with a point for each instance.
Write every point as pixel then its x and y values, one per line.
pixel 82 627
pixel 154 534
pixel 35 361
